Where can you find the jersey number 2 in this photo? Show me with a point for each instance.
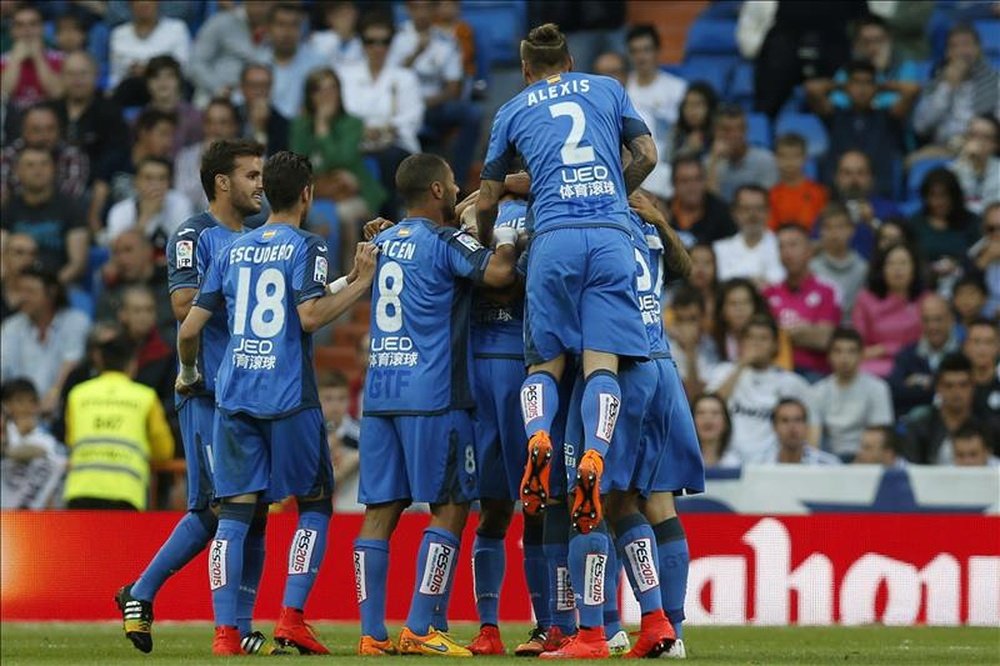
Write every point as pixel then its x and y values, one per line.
pixel 268 316
pixel 571 152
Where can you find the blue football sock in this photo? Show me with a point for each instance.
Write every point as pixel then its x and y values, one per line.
pixel 439 620
pixel 488 564
pixel 588 558
pixel 305 554
pixel 371 574
pixel 536 572
pixel 599 407
pixel 562 605
pixel 612 618
pixel 225 561
pixel 636 546
pixel 539 402
pixel 675 559
pixel 438 551
pixel 253 568
pixel 189 537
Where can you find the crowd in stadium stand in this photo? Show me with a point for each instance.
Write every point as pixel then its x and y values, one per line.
pixel 833 169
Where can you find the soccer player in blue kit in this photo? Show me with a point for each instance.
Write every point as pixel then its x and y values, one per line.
pixel 581 295
pixel 416 431
pixel 231 177
pixel 270 440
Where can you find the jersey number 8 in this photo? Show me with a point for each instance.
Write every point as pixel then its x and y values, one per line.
pixel 388 307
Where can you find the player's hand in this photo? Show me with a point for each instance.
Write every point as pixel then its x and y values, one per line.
pixel 644 206
pixel 184 388
pixel 374 227
pixel 364 262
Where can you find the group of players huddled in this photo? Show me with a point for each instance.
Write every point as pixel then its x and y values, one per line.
pixel 556 268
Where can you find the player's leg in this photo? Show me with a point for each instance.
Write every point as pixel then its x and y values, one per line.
pixel 618 641
pixel 241 474
pixel 440 464
pixel 673 555
pixel 488 565
pixel 384 490
pixel 189 537
pixel 253 642
pixel 300 466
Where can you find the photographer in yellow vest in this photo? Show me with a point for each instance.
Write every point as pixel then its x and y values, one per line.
pixel 114 428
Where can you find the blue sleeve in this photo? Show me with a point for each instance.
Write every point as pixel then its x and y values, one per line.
pixel 210 296
pixel 500 151
pixel 464 255
pixel 632 123
pixel 182 262
pixel 310 270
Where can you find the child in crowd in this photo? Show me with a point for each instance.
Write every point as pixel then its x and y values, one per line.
pixel 342 430
pixel 795 198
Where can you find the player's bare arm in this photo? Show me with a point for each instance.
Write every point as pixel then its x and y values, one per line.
pixel 500 271
pixel 188 338
pixel 374 227
pixel 487 207
pixel 319 312
pixel 643 151
pixel 181 301
pixel 675 255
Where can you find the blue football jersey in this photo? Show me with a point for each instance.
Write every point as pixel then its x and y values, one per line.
pixel 498 328
pixel 649 255
pixel 190 251
pixel 421 302
pixel 568 130
pixel 267 368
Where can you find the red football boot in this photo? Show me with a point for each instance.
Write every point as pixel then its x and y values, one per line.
pixel 226 642
pixel 586 644
pixel 656 635
pixel 487 641
pixel 292 631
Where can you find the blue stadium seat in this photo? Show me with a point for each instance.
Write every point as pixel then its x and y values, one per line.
pixel 812 169
pixel 325 212
pixel 809 126
pixel 740 89
pixel 711 36
pixel 910 207
pixel 723 9
pixel 499 26
pixel 712 69
pixel 923 70
pixel 98 43
pixel 759 130
pixel 80 299
pixel 918 172
pixel 989 35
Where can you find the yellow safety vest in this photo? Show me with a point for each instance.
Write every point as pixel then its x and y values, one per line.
pixel 114 426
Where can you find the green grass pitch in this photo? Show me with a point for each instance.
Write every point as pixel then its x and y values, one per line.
pixel 104 643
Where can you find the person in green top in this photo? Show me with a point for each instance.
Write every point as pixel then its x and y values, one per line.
pixel 944 229
pixel 332 140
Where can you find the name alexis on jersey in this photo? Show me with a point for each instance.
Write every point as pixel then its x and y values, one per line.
pixel 564 88
pixel 261 255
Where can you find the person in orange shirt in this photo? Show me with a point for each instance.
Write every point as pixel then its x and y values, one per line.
pixel 795 198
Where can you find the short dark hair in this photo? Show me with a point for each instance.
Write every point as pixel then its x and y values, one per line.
pixel 33 149
pixel 220 160
pixel 981 322
pixel 971 430
pixel 150 118
pixel 292 7
pixel 761 320
pixel 643 30
pixel 545 48
pixel 226 104
pixel 971 279
pixel 862 66
pixel 848 334
pixel 793 227
pixel 750 187
pixel 286 174
pixel 116 353
pixel 870 19
pixel 416 174
pixel 686 296
pixel 29 7
pixel 730 111
pixel 890 438
pixel 376 18
pixel 964 29
pixel 784 402
pixel 331 379
pixel 954 362
pixel 45 107
pixel 685 159
pixel 790 140
pixel 162 63
pixel 18 387
pixel 255 65
pixel 160 161
pixel 832 210
pixel 50 281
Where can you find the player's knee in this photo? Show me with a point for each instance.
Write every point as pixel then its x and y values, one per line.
pixel 451 516
pixel 208 517
pixel 380 520
pixel 494 518
pixel 322 505
pixel 659 507
pixel 619 504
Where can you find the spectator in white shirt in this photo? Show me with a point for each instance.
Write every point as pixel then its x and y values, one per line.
pixel 977 166
pixel 220 121
pixel 290 59
pixel 753 252
pixel 224 45
pixel 790 418
pixel 752 388
pixel 156 209
pixel 134 43
pixel 657 96
pixel 339 44
pixel 848 401
pixel 435 57
pixel 386 98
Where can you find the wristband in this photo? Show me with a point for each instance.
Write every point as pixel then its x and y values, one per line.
pixel 337 286
pixel 504 236
pixel 188 374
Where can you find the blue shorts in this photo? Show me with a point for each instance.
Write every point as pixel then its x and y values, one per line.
pixel 418 458
pixel 581 294
pixel 671 456
pixel 197 421
pixel 276 457
pixel 621 464
pixel 501 444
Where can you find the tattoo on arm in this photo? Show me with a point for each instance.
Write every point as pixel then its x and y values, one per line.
pixel 643 160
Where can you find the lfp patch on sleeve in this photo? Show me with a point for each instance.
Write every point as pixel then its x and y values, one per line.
pixel 468 241
pixel 319 270
pixel 185 254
